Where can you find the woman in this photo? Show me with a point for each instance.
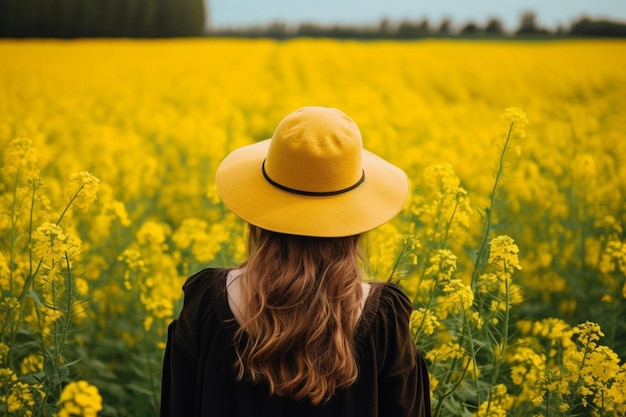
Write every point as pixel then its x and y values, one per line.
pixel 294 331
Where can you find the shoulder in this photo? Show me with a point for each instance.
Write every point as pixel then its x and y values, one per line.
pixel 204 292
pixel 204 279
pixel 395 349
pixel 394 301
pixel 204 286
pixel 386 305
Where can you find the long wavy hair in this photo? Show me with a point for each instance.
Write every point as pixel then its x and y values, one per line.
pixel 301 299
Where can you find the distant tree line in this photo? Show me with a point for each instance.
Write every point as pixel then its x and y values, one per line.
pixel 178 18
pixel 101 18
pixel 528 27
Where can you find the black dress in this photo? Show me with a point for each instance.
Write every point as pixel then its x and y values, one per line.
pixel 198 376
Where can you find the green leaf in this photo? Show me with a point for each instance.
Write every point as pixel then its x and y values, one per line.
pixel 139 389
pixel 36 298
pixel 49 369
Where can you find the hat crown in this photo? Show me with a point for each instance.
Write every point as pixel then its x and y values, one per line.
pixel 316 149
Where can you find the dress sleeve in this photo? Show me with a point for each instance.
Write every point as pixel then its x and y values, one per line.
pixel 180 363
pixel 179 379
pixel 404 388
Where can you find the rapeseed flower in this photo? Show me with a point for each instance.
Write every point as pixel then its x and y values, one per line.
pixel 503 253
pixel 32 363
pixel 528 371
pixel 613 258
pixel 51 242
pixel 497 405
pixel 79 398
pixel 135 265
pixel 446 352
pixel 458 297
pixel 21 398
pixel 20 156
pixel 442 265
pixel 153 233
pixel 423 321
pixel 84 191
pixel 515 120
pixel 4 350
pixel 7 377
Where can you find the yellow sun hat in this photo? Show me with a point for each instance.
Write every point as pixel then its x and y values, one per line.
pixel 312 178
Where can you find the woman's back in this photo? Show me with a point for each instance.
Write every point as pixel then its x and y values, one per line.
pixel 199 378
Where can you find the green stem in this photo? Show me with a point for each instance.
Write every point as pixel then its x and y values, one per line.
pixel 472 351
pixel 150 373
pixel 430 300
pixel 13 231
pixel 399 258
pixel 67 207
pixel 69 308
pixel 11 256
pixel 578 381
pixel 453 388
pixel 59 335
pixel 31 275
pixel 505 337
pixel 50 382
pixel 30 231
pixel 489 211
pixel 442 244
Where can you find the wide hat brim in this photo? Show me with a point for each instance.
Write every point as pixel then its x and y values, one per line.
pixel 245 191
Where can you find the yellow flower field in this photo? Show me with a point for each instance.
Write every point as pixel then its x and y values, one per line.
pixel 512 246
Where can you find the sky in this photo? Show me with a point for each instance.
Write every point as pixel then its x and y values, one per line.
pixel 550 13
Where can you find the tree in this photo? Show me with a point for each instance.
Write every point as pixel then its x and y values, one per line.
pixel 528 25
pixel 277 30
pixel 98 18
pixel 409 29
pixel 605 28
pixel 494 27
pixel 445 28
pixel 384 28
pixel 309 30
pixel 471 29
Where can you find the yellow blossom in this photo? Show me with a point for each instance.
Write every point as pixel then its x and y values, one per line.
pixel 4 350
pixel 515 119
pixel 613 258
pixel 445 352
pixel 79 398
pixel 85 189
pixel 153 233
pixel 7 378
pixel 20 155
pixel 51 242
pixel 584 169
pixel 442 265
pixel 82 286
pixel 423 321
pixel 504 253
pixel 21 398
pixel 119 209
pixel 457 297
pixel 32 363
pixel 588 334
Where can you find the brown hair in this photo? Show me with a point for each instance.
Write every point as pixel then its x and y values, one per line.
pixel 302 300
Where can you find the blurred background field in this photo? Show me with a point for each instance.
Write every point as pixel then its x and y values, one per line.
pixel 151 120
